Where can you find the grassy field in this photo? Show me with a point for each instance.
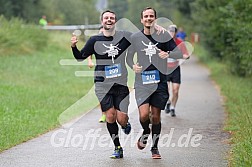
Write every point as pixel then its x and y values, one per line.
pixel 238 104
pixel 35 90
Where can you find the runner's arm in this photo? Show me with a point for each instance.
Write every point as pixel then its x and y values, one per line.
pixel 85 52
pixel 130 57
pixel 174 51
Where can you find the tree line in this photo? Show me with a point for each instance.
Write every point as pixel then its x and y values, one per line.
pixel 224 26
pixel 57 11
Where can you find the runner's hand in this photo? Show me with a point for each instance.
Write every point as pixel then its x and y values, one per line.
pixel 74 40
pixel 163 54
pixel 137 68
pixel 186 56
pixel 90 64
pixel 159 29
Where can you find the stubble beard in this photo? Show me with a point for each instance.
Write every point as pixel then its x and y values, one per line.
pixel 109 29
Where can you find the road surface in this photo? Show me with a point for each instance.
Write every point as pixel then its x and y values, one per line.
pixel 193 138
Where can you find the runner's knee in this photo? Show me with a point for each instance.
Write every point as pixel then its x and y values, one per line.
pixel 110 117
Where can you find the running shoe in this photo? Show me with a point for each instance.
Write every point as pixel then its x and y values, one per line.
pixel 127 128
pixel 103 118
pixel 142 141
pixel 167 109
pixel 155 153
pixel 118 153
pixel 173 113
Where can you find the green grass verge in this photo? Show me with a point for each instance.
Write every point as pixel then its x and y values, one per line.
pixel 35 90
pixel 21 38
pixel 238 104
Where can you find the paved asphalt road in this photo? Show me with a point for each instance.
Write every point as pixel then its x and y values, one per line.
pixel 193 138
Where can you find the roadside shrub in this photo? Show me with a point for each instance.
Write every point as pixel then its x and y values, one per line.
pixel 19 37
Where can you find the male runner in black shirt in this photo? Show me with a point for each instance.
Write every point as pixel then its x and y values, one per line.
pixel 111 74
pixel 151 71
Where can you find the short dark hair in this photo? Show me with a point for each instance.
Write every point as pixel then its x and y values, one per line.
pixel 110 11
pixel 147 8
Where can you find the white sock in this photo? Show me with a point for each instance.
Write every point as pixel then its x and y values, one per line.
pixel 172 107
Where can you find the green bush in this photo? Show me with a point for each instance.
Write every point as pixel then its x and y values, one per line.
pixel 18 37
pixel 238 49
pixel 225 28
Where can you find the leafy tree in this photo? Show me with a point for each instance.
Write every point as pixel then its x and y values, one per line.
pixel 25 9
pixel 59 11
pixel 225 27
pixel 135 8
pixel 207 19
pixel 119 7
pixel 238 23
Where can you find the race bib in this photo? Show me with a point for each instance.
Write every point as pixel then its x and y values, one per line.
pixel 149 77
pixel 113 71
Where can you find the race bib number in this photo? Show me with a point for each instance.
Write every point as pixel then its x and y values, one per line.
pixel 113 71
pixel 149 77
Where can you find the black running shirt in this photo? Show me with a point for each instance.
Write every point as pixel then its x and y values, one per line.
pixel 110 55
pixel 147 49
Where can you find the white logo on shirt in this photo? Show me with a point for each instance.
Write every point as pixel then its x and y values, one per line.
pixel 112 51
pixel 150 50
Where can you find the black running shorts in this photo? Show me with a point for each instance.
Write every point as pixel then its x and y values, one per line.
pixel 156 96
pixel 116 96
pixel 175 76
